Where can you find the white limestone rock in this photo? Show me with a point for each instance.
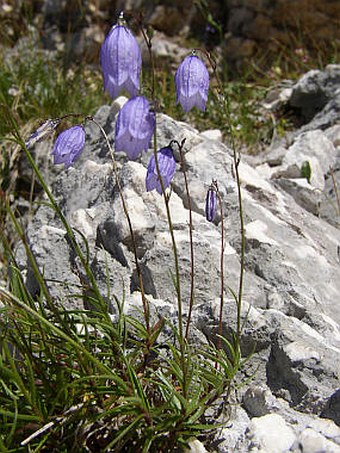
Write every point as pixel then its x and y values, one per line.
pixel 314 442
pixel 270 434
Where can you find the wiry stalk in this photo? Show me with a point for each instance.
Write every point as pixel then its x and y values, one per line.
pixel 166 198
pixel 243 243
pixel 55 206
pixel 61 216
pixel 145 302
pixel 331 171
pixel 220 322
pixel 192 257
pixel 224 101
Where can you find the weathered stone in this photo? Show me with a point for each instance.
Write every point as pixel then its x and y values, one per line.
pixel 278 96
pixel 213 134
pixel 327 428
pixel 314 90
pixel 333 134
pixel 270 433
pixel 328 116
pixel 332 409
pixel 313 144
pixel 164 48
pixel 232 437
pixel 315 150
pixel 303 193
pixel 195 446
pixel 259 401
pixel 314 442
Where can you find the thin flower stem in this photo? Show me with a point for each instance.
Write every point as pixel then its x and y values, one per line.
pixel 192 257
pixel 220 322
pixel 70 233
pixel 176 261
pixel 148 42
pixel 145 302
pixel 166 198
pixel 224 101
pixel 177 274
pixel 65 224
pixel 331 171
pixel 237 160
pixel 243 244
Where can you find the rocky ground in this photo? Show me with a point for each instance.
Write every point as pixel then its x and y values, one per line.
pixel 292 279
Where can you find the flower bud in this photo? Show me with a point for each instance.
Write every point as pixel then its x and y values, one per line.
pixel 211 202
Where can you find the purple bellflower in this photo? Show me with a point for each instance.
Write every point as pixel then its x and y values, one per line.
pixel 68 146
pixel 192 83
pixel 211 202
pixel 167 168
pixel 121 61
pixel 134 127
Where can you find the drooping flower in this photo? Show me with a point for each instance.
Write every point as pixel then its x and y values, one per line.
pixel 121 61
pixel 134 127
pixel 192 83
pixel 211 202
pixel 68 146
pixel 44 130
pixel 167 168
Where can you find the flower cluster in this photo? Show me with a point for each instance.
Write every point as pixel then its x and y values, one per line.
pixel 120 60
pixel 121 63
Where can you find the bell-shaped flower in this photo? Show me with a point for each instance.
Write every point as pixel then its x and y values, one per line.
pixel 192 83
pixel 211 202
pixel 68 146
pixel 121 61
pixel 167 168
pixel 134 127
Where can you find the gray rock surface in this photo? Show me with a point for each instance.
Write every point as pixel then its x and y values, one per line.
pixel 314 90
pixel 292 269
pixel 316 143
